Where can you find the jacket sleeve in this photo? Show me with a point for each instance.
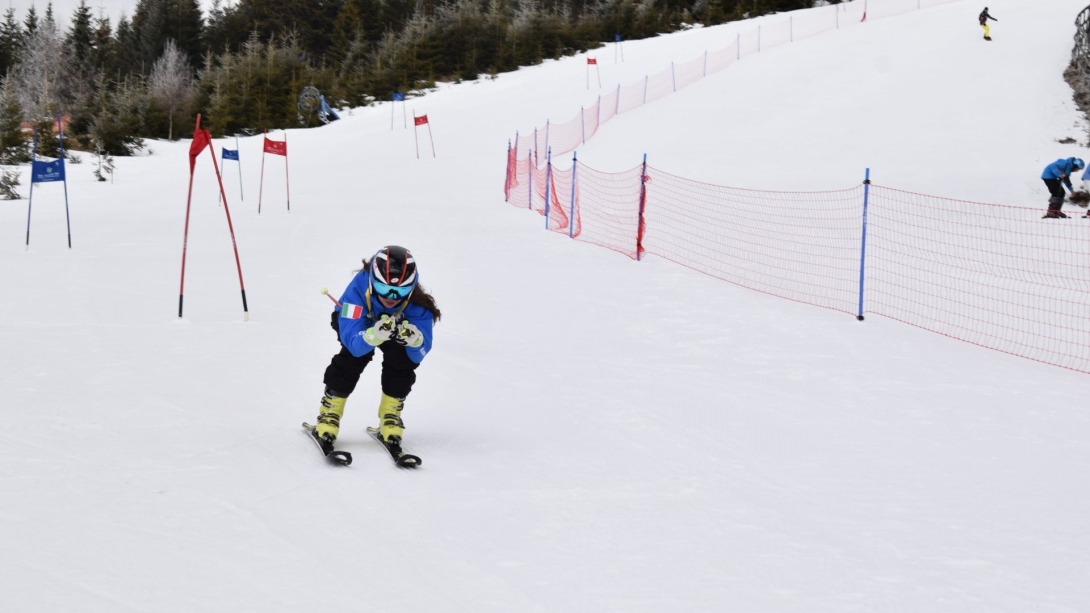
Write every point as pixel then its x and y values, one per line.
pixel 351 330
pixel 424 322
pixel 1069 168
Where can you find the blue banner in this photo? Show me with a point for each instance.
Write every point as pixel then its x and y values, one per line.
pixel 46 172
pixel 325 113
pixel 230 154
pixel 399 97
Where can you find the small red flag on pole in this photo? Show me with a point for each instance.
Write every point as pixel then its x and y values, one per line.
pixel 593 61
pixel 419 120
pixel 274 147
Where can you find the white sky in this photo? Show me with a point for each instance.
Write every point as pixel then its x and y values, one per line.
pixel 63 8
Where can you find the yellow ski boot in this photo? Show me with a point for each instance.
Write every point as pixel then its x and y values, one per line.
pixel 329 416
pixel 389 418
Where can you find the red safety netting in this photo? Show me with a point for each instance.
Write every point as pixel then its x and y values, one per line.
pixel 803 246
pixel 722 58
pixel 996 276
pixel 687 73
pixel 659 85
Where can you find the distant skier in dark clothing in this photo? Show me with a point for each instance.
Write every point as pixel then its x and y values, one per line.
pixel 1055 176
pixel 984 17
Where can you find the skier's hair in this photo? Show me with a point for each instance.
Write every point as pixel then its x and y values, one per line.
pixel 419 297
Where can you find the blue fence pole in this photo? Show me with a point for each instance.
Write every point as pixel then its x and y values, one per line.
pixel 863 249
pixel 67 218
pixel 548 182
pixel 30 201
pixel 571 213
pixel 643 200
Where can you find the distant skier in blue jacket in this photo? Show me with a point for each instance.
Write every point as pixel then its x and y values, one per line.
pixel 1055 176
pixel 384 307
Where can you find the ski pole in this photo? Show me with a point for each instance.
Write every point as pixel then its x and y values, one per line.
pixel 325 292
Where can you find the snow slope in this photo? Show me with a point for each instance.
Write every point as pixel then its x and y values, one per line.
pixel 598 434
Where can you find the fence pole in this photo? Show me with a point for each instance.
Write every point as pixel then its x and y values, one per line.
pixel 643 200
pixel 738 45
pixel 863 249
pixel 571 213
pixel 645 79
pixel 617 107
pixel 705 63
pixel 507 178
pixel 548 182
pixel 758 38
pixel 547 147
pixel 673 76
pixel 535 146
pixel 529 180
pixel 791 26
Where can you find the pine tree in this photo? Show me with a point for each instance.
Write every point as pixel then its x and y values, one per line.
pixel 13 141
pixel 345 28
pixel 30 22
pixel 185 26
pixel 119 122
pixel 81 38
pixel 10 41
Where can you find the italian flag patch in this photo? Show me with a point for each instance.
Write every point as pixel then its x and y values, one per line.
pixel 351 311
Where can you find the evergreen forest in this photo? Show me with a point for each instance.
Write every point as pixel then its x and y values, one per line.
pixel 243 65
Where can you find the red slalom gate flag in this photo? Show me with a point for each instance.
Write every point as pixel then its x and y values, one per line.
pixel 201 139
pixel 592 60
pixel 276 147
pixel 421 120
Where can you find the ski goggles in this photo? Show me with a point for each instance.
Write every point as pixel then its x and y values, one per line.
pixel 391 292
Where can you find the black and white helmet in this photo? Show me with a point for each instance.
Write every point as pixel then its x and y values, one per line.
pixel 393 272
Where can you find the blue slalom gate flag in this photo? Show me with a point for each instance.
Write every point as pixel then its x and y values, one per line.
pixel 399 97
pixel 230 154
pixel 47 172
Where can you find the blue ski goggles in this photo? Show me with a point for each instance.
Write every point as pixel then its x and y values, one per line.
pixel 391 292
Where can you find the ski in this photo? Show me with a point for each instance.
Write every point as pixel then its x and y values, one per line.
pixel 402 459
pixel 340 457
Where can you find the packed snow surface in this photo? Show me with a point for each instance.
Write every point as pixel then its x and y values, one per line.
pixel 598 434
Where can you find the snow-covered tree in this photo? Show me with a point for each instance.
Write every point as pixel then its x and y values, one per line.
pixel 171 82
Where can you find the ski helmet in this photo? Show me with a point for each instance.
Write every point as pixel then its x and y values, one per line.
pixel 393 272
pixel 1079 164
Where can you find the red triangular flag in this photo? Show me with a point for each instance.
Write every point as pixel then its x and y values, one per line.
pixel 201 138
pixel 276 147
pixel 421 120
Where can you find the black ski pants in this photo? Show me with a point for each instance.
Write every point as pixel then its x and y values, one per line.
pixel 1056 189
pixel 398 371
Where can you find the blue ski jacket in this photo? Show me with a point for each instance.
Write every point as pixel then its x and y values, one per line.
pixel 357 316
pixel 1060 169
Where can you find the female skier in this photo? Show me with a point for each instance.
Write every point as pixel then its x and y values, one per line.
pixel 384 307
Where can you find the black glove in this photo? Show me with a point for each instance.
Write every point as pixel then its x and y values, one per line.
pixel 335 323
